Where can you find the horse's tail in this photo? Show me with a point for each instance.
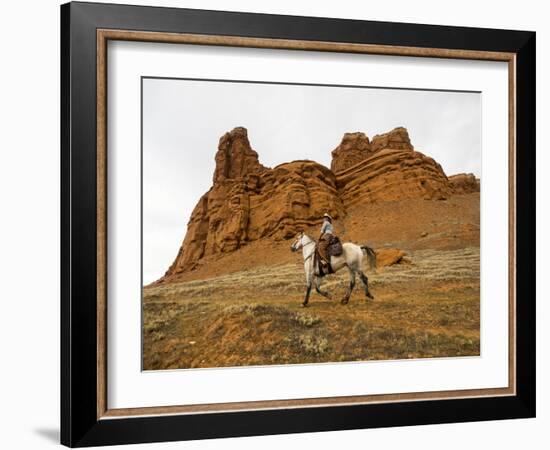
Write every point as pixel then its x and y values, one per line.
pixel 371 256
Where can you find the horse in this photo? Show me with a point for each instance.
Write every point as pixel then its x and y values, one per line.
pixel 351 257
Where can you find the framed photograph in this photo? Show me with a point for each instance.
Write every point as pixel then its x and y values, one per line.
pixel 276 224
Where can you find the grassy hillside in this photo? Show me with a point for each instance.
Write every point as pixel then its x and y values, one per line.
pixel 427 306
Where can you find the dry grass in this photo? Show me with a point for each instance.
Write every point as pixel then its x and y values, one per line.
pixel 426 307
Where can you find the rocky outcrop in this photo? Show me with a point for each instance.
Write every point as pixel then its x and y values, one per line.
pixel 464 183
pixel 389 256
pixel 354 148
pixel 235 158
pixel 385 169
pixel 248 202
pixel 393 175
pixel 397 139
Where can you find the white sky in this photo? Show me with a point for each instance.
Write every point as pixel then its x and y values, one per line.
pixel 183 121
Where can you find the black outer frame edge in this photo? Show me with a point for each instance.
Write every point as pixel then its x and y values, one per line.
pixel 79 231
pixel 229 23
pixel 525 223
pixel 302 420
pixel 65 226
pixel 79 426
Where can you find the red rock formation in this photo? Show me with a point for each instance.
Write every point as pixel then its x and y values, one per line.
pixel 464 183
pixel 386 169
pixel 235 158
pixel 354 148
pixel 389 256
pixel 248 201
pixel 397 139
pixel 393 175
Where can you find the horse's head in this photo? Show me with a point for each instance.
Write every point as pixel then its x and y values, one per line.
pixel 297 244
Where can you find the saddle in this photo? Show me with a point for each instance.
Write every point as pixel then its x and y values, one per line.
pixel 334 248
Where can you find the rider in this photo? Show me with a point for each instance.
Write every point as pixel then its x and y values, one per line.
pixel 327 231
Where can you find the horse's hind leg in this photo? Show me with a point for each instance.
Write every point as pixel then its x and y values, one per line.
pixel 319 290
pixel 345 300
pixel 365 281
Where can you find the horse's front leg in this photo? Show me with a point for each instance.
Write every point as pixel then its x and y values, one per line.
pixel 308 291
pixel 345 300
pixel 309 276
pixel 319 290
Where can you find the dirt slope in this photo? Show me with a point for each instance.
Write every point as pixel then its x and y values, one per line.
pixel 408 224
pixel 428 307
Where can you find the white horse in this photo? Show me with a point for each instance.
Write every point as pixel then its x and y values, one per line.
pixel 351 257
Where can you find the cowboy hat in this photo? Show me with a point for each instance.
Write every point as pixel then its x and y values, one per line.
pixel 327 215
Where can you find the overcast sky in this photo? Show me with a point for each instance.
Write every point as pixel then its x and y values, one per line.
pixel 183 121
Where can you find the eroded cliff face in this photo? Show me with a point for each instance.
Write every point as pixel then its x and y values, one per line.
pixel 248 201
pixel 393 175
pixel 235 157
pixel 396 139
pixel 386 169
pixel 354 148
pixel 464 183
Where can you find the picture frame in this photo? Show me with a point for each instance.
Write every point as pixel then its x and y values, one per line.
pixel 86 418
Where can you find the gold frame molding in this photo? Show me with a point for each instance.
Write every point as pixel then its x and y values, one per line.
pixel 103 36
